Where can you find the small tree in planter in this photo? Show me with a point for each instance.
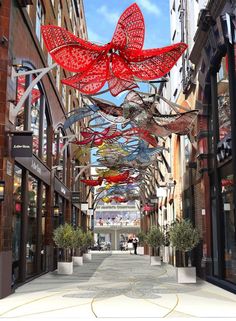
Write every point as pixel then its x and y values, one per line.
pixel 88 241
pixel 63 238
pixel 77 243
pixel 142 240
pixel 155 239
pixel 184 237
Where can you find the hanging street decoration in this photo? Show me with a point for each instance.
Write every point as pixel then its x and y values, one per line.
pixel 119 62
pixel 129 140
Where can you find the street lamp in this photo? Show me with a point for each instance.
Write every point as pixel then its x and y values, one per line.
pixel 56 210
pixel 2 190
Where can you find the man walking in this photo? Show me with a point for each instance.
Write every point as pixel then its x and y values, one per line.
pixel 135 243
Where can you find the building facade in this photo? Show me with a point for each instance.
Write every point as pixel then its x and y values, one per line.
pixel 38 187
pixel 205 166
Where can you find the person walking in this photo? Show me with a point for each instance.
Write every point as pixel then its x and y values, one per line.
pixel 135 244
pixel 130 244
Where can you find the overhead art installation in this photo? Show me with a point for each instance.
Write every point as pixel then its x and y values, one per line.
pixel 120 62
pixel 128 140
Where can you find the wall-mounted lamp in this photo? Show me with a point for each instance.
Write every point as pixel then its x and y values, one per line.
pixel 2 190
pixel 56 210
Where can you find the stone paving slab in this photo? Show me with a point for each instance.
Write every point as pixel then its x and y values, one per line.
pixel 117 286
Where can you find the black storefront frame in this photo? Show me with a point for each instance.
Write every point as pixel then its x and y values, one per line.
pixel 24 225
pixel 229 49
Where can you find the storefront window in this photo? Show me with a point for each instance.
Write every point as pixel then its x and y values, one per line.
pixel 60 156
pixel 16 223
pixel 43 249
pixel 230 241
pixel 32 226
pixel 45 137
pixel 223 100
pixel 20 89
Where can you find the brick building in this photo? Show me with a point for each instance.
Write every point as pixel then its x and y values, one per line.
pixel 38 188
pixel 204 163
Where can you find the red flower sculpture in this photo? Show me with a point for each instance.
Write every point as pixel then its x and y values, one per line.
pixel 92 182
pixel 118 178
pixel 97 138
pixel 118 62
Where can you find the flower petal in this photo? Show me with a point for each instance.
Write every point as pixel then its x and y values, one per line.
pixel 70 52
pixel 155 63
pixel 130 30
pixel 92 80
pixel 117 85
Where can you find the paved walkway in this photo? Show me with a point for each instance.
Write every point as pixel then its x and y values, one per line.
pixel 115 286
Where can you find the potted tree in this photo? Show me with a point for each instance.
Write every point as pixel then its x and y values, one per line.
pixel 77 243
pixel 63 238
pixel 142 238
pixel 184 237
pixel 155 239
pixel 88 241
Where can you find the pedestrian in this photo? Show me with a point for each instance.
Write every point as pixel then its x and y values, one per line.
pixel 135 244
pixel 130 243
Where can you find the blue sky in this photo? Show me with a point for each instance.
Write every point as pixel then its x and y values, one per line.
pixel 102 17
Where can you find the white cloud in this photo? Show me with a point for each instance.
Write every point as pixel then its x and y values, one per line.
pixel 95 37
pixel 111 17
pixel 149 7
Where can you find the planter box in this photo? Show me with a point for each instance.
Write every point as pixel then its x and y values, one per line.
pixel 77 260
pixel 155 260
pixel 140 250
pixel 87 257
pixel 186 274
pixel 64 267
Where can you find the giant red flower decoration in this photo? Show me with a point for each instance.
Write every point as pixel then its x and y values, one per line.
pixel 119 62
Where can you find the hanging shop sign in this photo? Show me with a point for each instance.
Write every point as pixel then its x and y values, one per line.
pixel 61 189
pixel 22 143
pixel 75 198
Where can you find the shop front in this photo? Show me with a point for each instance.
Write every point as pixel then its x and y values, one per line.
pixel 217 147
pixel 31 184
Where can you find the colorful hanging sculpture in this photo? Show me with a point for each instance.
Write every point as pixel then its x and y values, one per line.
pixel 119 62
pixel 97 138
pixel 139 158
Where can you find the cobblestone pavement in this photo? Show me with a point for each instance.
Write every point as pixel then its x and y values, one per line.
pixel 117 286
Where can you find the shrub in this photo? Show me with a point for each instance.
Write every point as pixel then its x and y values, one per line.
pixel 88 240
pixel 77 240
pixel 155 239
pixel 184 237
pixel 142 237
pixel 63 238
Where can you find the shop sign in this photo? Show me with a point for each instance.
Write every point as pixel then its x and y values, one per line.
pixel 61 189
pixel 75 197
pixel 22 143
pixel 35 167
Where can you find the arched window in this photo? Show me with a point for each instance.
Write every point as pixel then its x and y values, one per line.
pixel 34 115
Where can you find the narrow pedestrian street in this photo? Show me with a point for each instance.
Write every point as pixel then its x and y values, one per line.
pixel 115 285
